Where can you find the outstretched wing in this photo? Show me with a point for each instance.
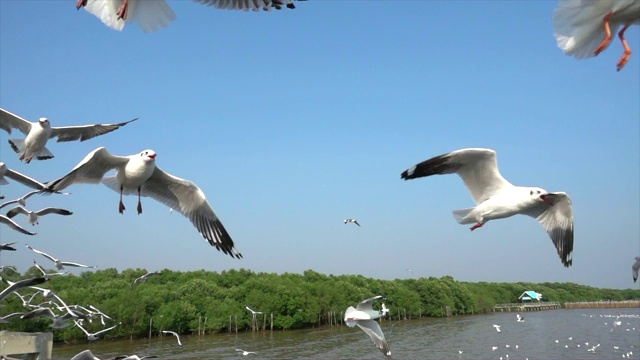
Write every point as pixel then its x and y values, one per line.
pixel 90 170
pixel 85 132
pixel 9 121
pixel 371 328
pixel 366 305
pixel 557 220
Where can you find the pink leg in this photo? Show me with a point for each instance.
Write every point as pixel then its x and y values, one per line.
pixel 122 12
pixel 627 50
pixel 81 3
pixel 607 37
pixel 121 205
pixel 476 226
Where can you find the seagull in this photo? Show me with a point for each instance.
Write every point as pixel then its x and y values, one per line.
pixel 21 200
pixel 9 317
pixel 15 286
pixel 355 221
pixel 59 321
pixel 38 133
pixel 521 319
pixel 139 173
pixel 150 15
pixel 384 310
pixel 134 357
pixel 94 336
pixel 496 198
pixel 59 264
pixel 244 352
pixel 7 246
pixel 253 311
pixel 174 334
pixel 34 215
pixel 364 317
pixel 14 225
pixel 254 5
pixel 494 348
pixel 144 277
pixel 14 175
pixel 497 327
pixel 635 268
pixel 85 355
pixel 583 29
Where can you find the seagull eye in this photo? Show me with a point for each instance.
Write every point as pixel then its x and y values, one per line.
pixel 531 192
pixel 538 191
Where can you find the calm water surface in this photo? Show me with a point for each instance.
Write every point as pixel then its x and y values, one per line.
pixel 415 339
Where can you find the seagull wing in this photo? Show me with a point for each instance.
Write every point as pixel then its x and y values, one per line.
pixel 557 220
pixel 17 210
pixel 187 198
pixel 635 268
pixel 14 225
pixel 40 312
pixel 366 304
pixel 52 210
pixel 85 132
pixel 9 121
pixel 21 178
pixel 81 328
pixel 42 253
pixel 90 170
pixel 105 330
pixel 68 263
pixel 245 5
pixel 478 168
pixel 371 328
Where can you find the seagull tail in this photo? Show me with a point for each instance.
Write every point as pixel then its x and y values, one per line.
pixel 17 145
pixel 461 216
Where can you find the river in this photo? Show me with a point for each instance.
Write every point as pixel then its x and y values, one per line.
pixel 551 334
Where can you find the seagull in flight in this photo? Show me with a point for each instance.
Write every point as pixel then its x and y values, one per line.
pixel 7 246
pixel 584 29
pixel 144 277
pixel 59 264
pixel 635 268
pixel 38 133
pixel 174 334
pixel 95 335
pixel 34 215
pixel 253 311
pixel 15 286
pixel 139 174
pixel 364 317
pixel 497 327
pixel 355 221
pixel 496 198
pixel 14 225
pixel 16 176
pixel 245 353
pixel 254 5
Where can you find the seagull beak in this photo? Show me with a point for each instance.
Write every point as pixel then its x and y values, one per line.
pixel 153 156
pixel 547 198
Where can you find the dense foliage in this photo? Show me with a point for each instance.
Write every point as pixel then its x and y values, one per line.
pixel 215 302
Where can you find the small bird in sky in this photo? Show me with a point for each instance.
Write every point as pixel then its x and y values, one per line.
pixel 355 221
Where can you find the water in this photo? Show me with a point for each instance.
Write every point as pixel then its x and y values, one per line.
pixel 414 339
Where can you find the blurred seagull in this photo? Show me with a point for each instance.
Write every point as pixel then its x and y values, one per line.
pixel 59 264
pixel 139 173
pixel 34 215
pixel 85 355
pixel 59 321
pixel 15 286
pixel 364 317
pixel 355 221
pixel 14 225
pixel 134 357
pixel 14 175
pixel 583 29
pixel 21 200
pixel 144 277
pixel 497 327
pixel 496 198
pixel 38 133
pixel 254 5
pixel 94 336
pixel 244 352
pixel 150 15
pixel 521 319
pixel 253 311
pixel 635 268
pixel 174 334
pixel 7 246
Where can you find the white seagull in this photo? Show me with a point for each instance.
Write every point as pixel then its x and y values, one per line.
pixel 139 174
pixel 21 200
pixel 14 225
pixel 584 29
pixel 15 286
pixel 244 352
pixel 38 133
pixel 174 334
pixel 496 198
pixel 355 221
pixel 95 335
pixel 84 355
pixel 134 357
pixel 144 277
pixel 253 311
pixel 59 264
pixel 635 268
pixel 364 317
pixel 14 175
pixel 497 327
pixel 521 319
pixel 34 215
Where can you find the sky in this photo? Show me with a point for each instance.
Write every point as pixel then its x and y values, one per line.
pixel 291 121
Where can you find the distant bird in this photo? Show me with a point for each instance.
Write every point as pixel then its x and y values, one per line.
pixel 94 336
pixel 497 327
pixel 244 352
pixel 38 133
pixel 384 310
pixel 101 314
pixel 355 221
pixel 59 264
pixel 9 317
pixel 364 317
pixel 496 198
pixel 139 173
pixel 174 334
pixel 253 311
pixel 144 277
pixel 21 200
pixel 14 175
pixel 14 225
pixel 494 348
pixel 583 29
pixel 34 215
pixel 85 355
pixel 519 318
pixel 15 286
pixel 635 268
pixel 7 246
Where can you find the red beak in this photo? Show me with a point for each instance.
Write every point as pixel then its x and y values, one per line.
pixel 154 157
pixel 544 198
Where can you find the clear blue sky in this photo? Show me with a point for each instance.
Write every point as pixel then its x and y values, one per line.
pixel 291 121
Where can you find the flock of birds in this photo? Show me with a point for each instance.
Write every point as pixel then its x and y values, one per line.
pixel 582 29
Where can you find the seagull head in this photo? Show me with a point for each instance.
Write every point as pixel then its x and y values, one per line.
pixel 148 155
pixel 548 198
pixel 44 122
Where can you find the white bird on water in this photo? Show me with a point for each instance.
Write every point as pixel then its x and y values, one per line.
pixel 635 268
pixel 34 215
pixel 364 317
pixel 59 264
pixel 174 334
pixel 138 173
pixel 38 133
pixel 583 29
pixel 497 327
pixel 496 198
pixel 245 353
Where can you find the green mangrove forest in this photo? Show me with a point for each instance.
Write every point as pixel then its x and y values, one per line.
pixel 208 302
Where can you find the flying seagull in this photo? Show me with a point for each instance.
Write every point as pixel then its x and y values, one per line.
pixel 364 317
pixel 14 175
pixel 139 174
pixel 144 277
pixel 497 327
pixel 7 246
pixel 34 215
pixel 23 199
pixel 59 264
pixel 14 225
pixel 584 29
pixel 15 286
pixel 174 334
pixel 95 335
pixel 355 221
pixel 245 353
pixel 253 311
pixel 85 355
pixel 635 268
pixel 134 357
pixel 496 198
pixel 38 133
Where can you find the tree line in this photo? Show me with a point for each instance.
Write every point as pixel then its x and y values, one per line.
pixel 210 302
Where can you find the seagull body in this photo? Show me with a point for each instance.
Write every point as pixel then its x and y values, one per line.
pixel 34 215
pixel 14 225
pixel 583 29
pixel 521 319
pixel 94 336
pixel 14 175
pixel 355 221
pixel 174 334
pixel 253 311
pixel 59 264
pixel 245 353
pixel 139 173
pixel 38 133
pixel 364 317
pixel 497 327
pixel 144 277
pixel 635 268
pixel 496 198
